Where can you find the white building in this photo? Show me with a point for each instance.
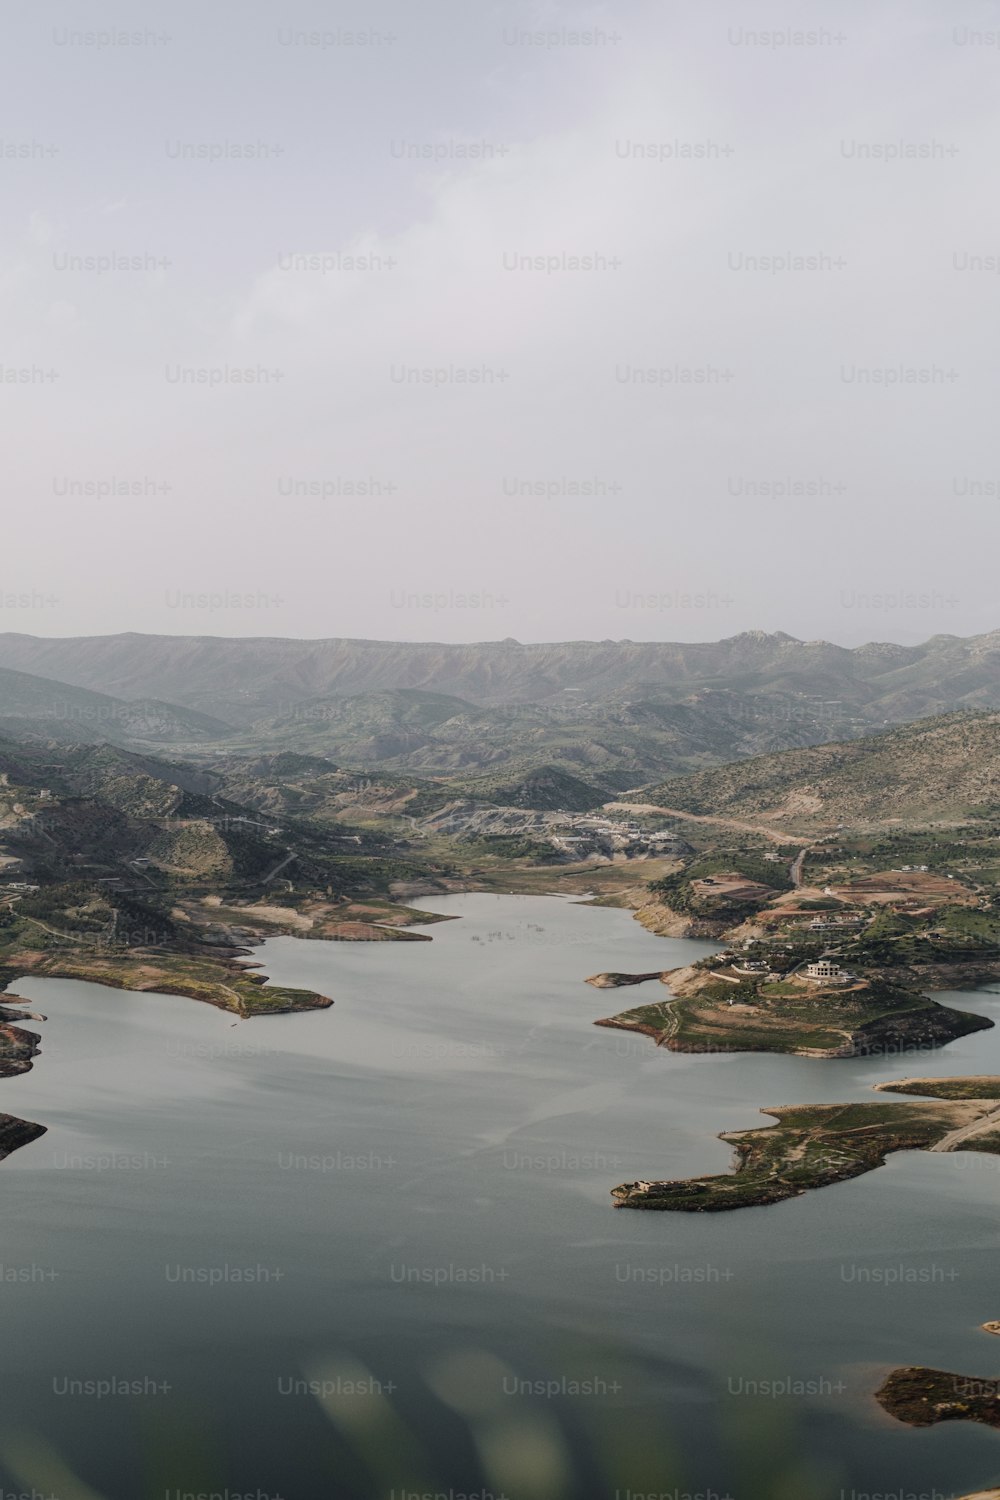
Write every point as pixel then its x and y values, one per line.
pixel 825 971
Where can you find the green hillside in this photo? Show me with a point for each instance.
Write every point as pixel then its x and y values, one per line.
pixel 941 769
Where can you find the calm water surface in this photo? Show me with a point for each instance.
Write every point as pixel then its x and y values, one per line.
pixel 370 1251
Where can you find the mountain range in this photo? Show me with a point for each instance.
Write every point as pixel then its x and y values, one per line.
pixel 615 714
pixel 241 680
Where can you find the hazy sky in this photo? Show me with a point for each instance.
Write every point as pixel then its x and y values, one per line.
pixel 479 264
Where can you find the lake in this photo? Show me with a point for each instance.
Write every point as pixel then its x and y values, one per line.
pixel 370 1251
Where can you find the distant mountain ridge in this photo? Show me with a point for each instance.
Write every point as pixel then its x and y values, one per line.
pixel 244 679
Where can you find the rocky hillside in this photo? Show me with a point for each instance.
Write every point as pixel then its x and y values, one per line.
pixel 612 715
pixel 543 788
pixel 37 706
pixel 124 821
pixel 936 769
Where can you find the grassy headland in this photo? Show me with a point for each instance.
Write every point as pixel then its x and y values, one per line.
pixel 813 1146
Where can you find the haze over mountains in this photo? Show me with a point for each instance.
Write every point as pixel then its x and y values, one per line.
pixel 617 713
pixel 65 712
pixel 244 679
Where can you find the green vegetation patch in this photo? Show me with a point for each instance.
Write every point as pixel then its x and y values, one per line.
pixel 922 1397
pixel 947 1088
pixel 676 890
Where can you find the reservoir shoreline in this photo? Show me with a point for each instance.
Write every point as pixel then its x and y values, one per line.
pixel 457 1109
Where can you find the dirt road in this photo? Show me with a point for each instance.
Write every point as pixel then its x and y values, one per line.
pixel 964 1133
pixel 675 812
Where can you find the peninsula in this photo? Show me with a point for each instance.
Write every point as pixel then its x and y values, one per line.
pixel 813 1146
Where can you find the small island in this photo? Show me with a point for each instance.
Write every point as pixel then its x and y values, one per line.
pixel 922 1397
pixel 615 981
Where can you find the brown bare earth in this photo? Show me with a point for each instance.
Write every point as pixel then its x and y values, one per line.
pixel 17 1048
pixel 895 885
pixel 349 921
pixel 665 922
pixel 729 886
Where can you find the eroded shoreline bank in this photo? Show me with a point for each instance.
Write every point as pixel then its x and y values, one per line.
pixel 18 1049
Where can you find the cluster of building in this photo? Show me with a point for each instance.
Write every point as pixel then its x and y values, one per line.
pixel 595 835
pixel 834 920
pixel 752 966
pixel 822 971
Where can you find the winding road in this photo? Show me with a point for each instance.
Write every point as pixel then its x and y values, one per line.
pixel 794 869
pixel 675 812
pixel 957 1138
